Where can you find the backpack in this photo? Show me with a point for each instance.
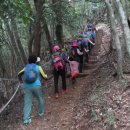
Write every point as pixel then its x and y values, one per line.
pixel 73 52
pixel 58 62
pixel 30 73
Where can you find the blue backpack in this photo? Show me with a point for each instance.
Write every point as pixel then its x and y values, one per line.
pixel 30 73
pixel 85 42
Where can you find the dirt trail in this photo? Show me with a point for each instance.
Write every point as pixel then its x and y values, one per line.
pixel 58 112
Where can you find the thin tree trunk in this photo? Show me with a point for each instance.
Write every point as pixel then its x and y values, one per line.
pixel 12 39
pixel 116 39
pixel 16 35
pixel 47 32
pixel 2 66
pixel 35 39
pixel 59 33
pixel 30 35
pixel 124 22
pixel 59 28
pixel 13 53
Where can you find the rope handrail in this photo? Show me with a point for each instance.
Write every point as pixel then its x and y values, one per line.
pixel 3 108
pixel 8 79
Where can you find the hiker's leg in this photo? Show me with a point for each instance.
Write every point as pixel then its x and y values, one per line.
pixel 38 93
pixel 73 80
pixel 87 57
pixel 56 77
pixel 92 47
pixel 63 76
pixel 80 67
pixel 81 64
pixel 27 103
pixel 89 47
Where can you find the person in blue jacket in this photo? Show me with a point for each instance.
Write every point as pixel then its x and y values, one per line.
pixel 32 88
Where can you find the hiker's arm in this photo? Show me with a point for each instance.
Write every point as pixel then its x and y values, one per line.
pixel 86 50
pixel 79 52
pixel 20 75
pixel 42 73
pixel 65 58
pixel 91 42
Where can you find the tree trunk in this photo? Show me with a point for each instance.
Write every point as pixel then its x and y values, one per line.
pixel 35 39
pixel 59 28
pixel 16 35
pixel 30 30
pixel 13 43
pixel 14 57
pixel 37 33
pixel 126 7
pixel 116 39
pixel 59 33
pixel 48 37
pixel 124 22
pixel 2 66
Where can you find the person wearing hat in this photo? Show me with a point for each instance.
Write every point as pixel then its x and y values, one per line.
pixel 77 54
pixel 32 87
pixel 59 60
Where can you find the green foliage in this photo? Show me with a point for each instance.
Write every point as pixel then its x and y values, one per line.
pixel 15 8
pixel 23 10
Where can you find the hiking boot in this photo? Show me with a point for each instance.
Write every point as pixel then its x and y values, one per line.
pixel 56 95
pixel 27 122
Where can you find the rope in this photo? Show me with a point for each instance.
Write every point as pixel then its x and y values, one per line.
pixel 8 79
pixel 3 108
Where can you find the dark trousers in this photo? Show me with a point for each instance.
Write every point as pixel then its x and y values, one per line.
pixel 73 80
pixel 81 63
pixel 87 57
pixel 56 74
pixel 90 46
pixel 80 67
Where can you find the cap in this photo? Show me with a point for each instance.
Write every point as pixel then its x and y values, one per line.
pixel 38 59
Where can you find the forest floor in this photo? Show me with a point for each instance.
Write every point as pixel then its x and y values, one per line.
pixel 96 102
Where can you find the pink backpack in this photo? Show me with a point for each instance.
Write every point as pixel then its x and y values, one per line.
pixel 58 63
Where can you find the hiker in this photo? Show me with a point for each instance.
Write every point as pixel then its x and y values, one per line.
pixel 94 28
pixel 81 57
pixel 74 65
pixel 68 45
pixel 59 59
pixel 87 45
pixel 77 54
pixel 32 87
pixel 92 36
